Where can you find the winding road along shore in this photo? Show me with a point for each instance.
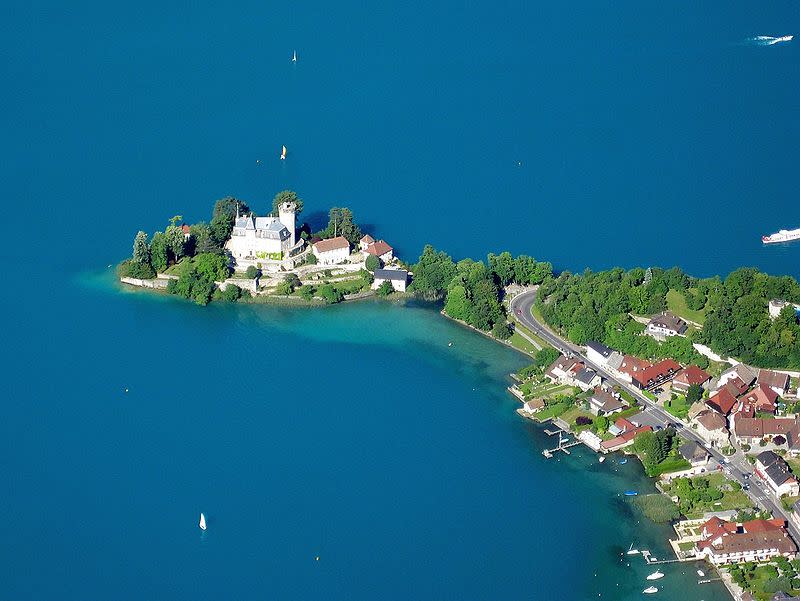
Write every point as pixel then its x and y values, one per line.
pixel 737 465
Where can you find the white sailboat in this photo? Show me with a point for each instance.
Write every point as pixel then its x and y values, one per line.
pixel 202 521
pixel 602 458
pixel 283 153
pixel 632 551
pixel 650 590
pixel 701 573
pixel 655 575
pixel 294 56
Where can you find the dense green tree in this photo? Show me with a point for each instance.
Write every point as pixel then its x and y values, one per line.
pixel 306 292
pixel 175 242
pixel 311 258
pixel 158 252
pixel 252 272
pixel 211 267
pixel 601 423
pixel 503 266
pixel 232 293
pixel 289 284
pixel 287 196
pixel 433 273
pixel 694 394
pixel 330 294
pixel 545 357
pixel 223 216
pixel 457 305
pixel 141 251
pixel 502 330
pixel 133 269
pixel 340 223
pixel 372 263
pixel 201 240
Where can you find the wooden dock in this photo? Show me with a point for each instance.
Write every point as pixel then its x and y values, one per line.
pixel 563 445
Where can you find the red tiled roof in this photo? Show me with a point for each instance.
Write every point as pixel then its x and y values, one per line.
pixel 692 375
pixel 654 372
pixel 723 401
pixel 185 228
pixel 378 248
pixel 711 420
pixel 631 365
pixel 625 437
pixel 736 386
pixel 761 398
pixel 755 427
pixel 624 425
pixel 366 238
pixel 331 244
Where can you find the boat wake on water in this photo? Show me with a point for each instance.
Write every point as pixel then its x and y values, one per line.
pixel 768 40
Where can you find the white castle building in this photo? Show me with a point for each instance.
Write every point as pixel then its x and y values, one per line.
pixel 261 239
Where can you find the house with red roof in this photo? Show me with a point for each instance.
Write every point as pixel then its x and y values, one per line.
pixel 761 399
pixel 623 440
pixel 630 366
pixel 656 375
pixel 365 241
pixel 722 542
pixel 722 402
pixel 777 381
pixel 381 250
pixel 688 376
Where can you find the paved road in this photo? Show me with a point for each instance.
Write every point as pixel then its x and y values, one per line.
pixel 738 465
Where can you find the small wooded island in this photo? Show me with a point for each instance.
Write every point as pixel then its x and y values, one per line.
pixel 242 256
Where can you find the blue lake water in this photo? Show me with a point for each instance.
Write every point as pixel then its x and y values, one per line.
pixel 584 134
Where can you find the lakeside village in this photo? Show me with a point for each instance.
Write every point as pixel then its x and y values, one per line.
pixel 637 361
pixel 739 412
pixel 240 256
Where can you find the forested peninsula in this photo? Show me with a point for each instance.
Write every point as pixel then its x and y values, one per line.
pixel 729 315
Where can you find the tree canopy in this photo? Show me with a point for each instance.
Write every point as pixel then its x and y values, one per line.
pixel 287 196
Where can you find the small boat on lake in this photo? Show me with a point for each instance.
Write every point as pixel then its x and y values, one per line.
pixel 294 56
pixel 655 575
pixel 283 153
pixel 602 458
pixel 630 493
pixel 623 461
pixel 632 551
pixel 701 573
pixel 650 590
pixel 202 521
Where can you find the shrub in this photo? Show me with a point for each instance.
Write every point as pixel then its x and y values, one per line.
pixel 231 294
pixel 252 272
pixel 582 420
pixel 330 294
pixel 372 263
pixel 134 269
pixel 385 289
pixel 306 292
pixel 311 259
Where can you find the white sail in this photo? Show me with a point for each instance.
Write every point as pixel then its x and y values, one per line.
pixel 283 153
pixel 294 56
pixel 202 522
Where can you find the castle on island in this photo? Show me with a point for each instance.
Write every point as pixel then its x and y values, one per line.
pixel 266 241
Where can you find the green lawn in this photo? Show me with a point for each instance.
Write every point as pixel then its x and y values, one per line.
pixel 731 499
pixel 670 464
pixel 676 303
pixel 520 343
pixel 679 407
pixel 571 414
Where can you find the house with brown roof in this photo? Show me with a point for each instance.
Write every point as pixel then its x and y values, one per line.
pixel 666 324
pixel 751 430
pixel 604 403
pixel 722 542
pixel 623 440
pixel 655 375
pixel 365 241
pixel 741 371
pixel 761 399
pixel 563 370
pixel 713 427
pixel 722 402
pixel 533 405
pixel 331 251
pixel 696 455
pixel 688 376
pixel 778 382
pixel 381 250
pixel 630 366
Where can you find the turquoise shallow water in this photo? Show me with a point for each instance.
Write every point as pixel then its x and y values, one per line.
pixel 354 433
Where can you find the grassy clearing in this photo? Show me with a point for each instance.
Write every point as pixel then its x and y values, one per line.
pixel 521 344
pixel 676 303
pixel 678 407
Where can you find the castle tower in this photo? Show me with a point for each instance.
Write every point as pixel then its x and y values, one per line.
pixel 286 215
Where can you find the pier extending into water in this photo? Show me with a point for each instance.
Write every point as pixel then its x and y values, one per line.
pixel 563 445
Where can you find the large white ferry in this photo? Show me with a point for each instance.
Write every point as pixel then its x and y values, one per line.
pixel 781 236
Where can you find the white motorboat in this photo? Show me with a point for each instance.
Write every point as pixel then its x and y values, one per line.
pixel 202 522
pixel 655 575
pixel 650 590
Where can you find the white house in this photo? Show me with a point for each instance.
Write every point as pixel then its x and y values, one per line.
pixel 666 324
pixel 773 470
pixel 712 427
pixel 398 278
pixel 598 353
pixel 604 403
pixel 263 239
pixel 587 378
pixel 365 241
pixel 332 250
